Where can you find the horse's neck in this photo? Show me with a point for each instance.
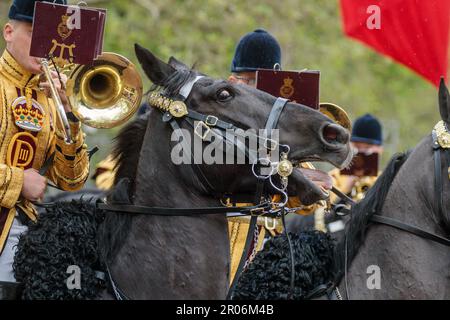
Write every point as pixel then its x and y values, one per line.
pixel 411 198
pixel 175 257
pixel 411 267
pixel 158 179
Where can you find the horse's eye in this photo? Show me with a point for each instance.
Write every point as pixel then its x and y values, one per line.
pixel 224 95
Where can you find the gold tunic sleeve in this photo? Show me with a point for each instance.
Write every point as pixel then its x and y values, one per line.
pixel 11 181
pixel 11 178
pixel 70 168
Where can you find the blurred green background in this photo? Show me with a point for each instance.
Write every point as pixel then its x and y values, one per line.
pixel 310 34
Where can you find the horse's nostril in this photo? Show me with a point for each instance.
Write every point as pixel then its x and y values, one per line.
pixel 330 133
pixel 334 133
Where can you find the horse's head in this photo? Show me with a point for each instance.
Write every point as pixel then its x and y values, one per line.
pixel 310 135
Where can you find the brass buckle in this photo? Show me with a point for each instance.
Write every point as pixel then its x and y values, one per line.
pixel 257 212
pixel 273 144
pixel 270 227
pixel 211 120
pixel 199 130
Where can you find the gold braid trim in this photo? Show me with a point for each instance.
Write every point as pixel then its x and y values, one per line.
pixel 14 188
pixel 176 108
pixel 5 183
pixel 72 181
pixel 7 228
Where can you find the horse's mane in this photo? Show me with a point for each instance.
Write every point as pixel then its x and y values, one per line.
pixel 361 214
pixel 126 152
pixel 127 148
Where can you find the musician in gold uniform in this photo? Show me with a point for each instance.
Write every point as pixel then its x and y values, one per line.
pixel 367 137
pixel 30 135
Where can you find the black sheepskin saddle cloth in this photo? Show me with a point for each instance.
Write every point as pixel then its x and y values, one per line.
pixel 268 276
pixel 61 243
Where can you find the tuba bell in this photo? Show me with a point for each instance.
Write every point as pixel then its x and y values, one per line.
pixel 105 93
pixel 337 114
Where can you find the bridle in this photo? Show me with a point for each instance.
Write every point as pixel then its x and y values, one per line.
pixel 175 110
pixel 441 154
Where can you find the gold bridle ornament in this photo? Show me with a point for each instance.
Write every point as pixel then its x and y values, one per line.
pixel 103 94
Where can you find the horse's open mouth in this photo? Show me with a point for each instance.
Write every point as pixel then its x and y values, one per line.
pixel 311 184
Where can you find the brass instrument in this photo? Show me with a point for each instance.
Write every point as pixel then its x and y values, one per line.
pixel 103 94
pixel 337 114
pixel 57 100
pixel 362 185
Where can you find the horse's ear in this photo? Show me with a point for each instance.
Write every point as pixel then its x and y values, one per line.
pixel 177 64
pixel 444 101
pixel 156 69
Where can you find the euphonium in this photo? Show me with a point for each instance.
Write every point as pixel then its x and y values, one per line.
pixel 337 114
pixel 103 94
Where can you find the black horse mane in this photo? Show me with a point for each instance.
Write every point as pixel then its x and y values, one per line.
pixel 128 144
pixel 361 214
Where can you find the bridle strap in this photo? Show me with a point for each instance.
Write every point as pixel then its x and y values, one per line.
pixel 438 174
pixel 198 173
pixel 186 89
pixel 409 228
pixel 271 124
pixel 274 117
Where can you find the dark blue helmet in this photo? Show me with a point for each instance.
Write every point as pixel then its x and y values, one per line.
pixel 256 50
pixel 367 129
pixel 23 10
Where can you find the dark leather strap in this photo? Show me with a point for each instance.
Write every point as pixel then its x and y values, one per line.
pixel 277 109
pixel 210 120
pixel 204 182
pixel 438 174
pixel 262 209
pixel 409 228
pixel 47 164
pixel 343 196
pixel 446 213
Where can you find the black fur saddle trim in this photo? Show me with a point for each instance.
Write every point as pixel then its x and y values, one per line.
pixel 268 276
pixel 65 235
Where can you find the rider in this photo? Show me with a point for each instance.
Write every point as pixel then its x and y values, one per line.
pixel 259 50
pixel 30 135
pixel 367 137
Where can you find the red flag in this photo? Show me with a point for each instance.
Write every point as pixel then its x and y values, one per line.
pixel 412 32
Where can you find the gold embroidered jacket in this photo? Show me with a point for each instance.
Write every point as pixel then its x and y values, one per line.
pixel 29 135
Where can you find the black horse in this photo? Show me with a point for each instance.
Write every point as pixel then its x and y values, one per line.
pixel 410 266
pixel 187 257
pixel 373 260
